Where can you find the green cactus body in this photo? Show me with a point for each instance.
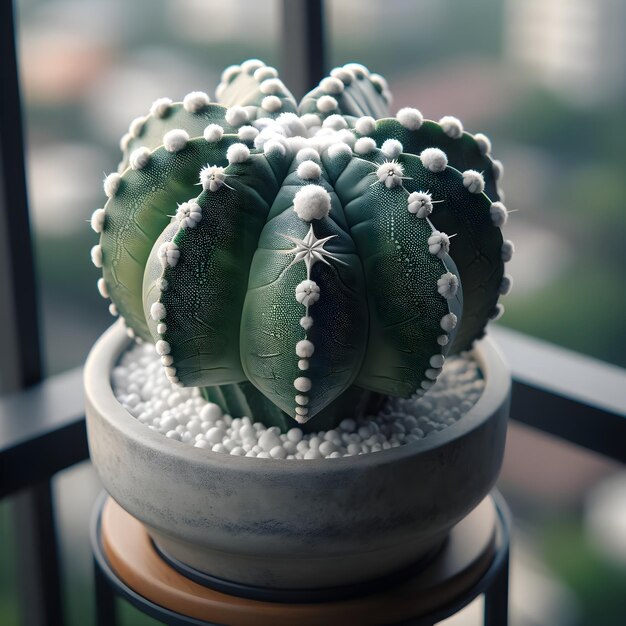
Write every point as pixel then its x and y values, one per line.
pixel 312 272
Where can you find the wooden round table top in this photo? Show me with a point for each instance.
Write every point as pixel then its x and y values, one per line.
pixel 461 563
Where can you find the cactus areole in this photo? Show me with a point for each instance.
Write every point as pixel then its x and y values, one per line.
pixel 293 260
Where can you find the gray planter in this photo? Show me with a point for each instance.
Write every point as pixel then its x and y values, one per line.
pixel 288 524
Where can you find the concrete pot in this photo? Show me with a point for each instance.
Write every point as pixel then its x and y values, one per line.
pixel 297 525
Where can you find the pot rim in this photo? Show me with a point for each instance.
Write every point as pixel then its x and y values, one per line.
pixel 107 350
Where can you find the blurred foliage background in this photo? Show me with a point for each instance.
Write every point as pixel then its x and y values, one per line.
pixel 544 79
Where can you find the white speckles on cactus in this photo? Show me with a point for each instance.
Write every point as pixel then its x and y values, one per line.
pixel 157 311
pixel 305 349
pixel 237 153
pixel 499 214
pixel 390 173
pixel 506 285
pixel 451 126
pixel 212 177
pixel 439 244
pixel 311 202
pixel 175 140
pixel 161 107
pixel 326 104
pixel 306 322
pixel 448 322
pixel 136 126
pixel 473 181
pixel 189 214
pixel 420 203
pixel 392 148
pixel 307 293
pixel 434 159
pixel 508 249
pixel 410 118
pixel 213 133
pixel 302 383
pixel 97 220
pixel 309 170
pixel 247 133
pixel 263 73
pixel 332 85
pixel 271 104
pixel 236 115
pixel 112 184
pixel 364 145
pixel 484 143
pixel 96 256
pixel 139 158
pixel 196 101
pixel 162 347
pixel 448 285
pixel 102 288
pixel 169 254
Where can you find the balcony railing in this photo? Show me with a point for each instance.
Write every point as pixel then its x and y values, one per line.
pixel 42 425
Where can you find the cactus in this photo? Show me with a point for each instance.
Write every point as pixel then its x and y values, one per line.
pixel 298 261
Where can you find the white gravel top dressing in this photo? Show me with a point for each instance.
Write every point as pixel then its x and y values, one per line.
pixel 140 384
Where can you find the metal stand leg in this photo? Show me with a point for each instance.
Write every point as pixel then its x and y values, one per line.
pixel 105 599
pixel 497 597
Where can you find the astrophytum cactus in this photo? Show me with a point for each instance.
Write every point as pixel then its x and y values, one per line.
pixel 290 258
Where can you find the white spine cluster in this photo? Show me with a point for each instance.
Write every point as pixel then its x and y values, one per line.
pixel 420 203
pixel 439 244
pixel 212 177
pixel 390 173
pixel 473 181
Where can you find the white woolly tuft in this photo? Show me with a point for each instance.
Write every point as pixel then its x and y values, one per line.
pixel 451 126
pixel 189 214
pixel 311 202
pixel 427 384
pixel 448 322
pixel 274 146
pixel 162 347
pixel 292 124
pixel 168 254
pixel 302 384
pixel 335 121
pixel 331 85
pixel 157 311
pixel 272 86
pixel 365 125
pixel 326 104
pixel 432 373
pixel 236 115
pixel 102 288
pixel 213 133
pixel 161 284
pixel 390 173
pixel 380 82
pixel 439 244
pixel 508 249
pixel 230 72
pixel 305 349
pixel 306 322
pixel 97 220
pixel 175 140
pixel 196 101
pixel 364 145
pixel 337 150
pixel 251 65
pixel 238 153
pixel 392 148
pixel 443 340
pixel 124 141
pixel 346 136
pixel 360 71
pixel 420 203
pixel 112 184
pixel 307 293
pixel 343 74
pixel 136 126
pixel 303 364
pixel 434 159
pixel 309 170
pixel 310 120
pixel 498 169
pixel 247 133
pixel 483 142
pixel 301 399
pixel 160 107
pixel 506 284
pixel 448 285
pixel 161 329
pixel 499 214
pixel 212 177
pixel 113 310
pixel 497 312
pixel 473 181
pixel 410 118
pixel 271 104
pixel 139 158
pixel 307 154
pixel 263 73
pixel 96 256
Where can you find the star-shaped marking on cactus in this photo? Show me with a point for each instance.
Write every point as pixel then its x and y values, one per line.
pixel 310 250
